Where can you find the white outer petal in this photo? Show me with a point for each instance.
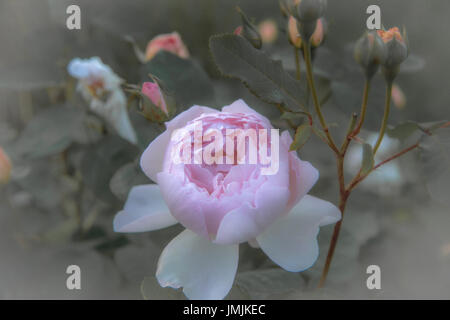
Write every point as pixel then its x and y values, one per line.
pixel 145 210
pixel 205 270
pixel 291 241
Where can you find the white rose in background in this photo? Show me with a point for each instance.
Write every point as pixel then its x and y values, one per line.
pixel 100 87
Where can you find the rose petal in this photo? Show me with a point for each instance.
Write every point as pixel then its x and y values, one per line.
pixel 205 270
pixel 303 175
pixel 153 157
pixel 239 106
pixel 145 210
pixel 247 221
pixel 291 242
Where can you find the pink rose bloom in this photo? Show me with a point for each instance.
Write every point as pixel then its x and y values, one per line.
pixel 169 42
pixel 5 167
pixel 223 205
pixel 153 92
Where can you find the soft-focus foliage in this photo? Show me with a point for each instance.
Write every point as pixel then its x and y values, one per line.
pixel 72 169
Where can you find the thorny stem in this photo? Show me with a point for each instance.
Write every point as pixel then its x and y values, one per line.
pixel 385 117
pixel 297 63
pixel 309 74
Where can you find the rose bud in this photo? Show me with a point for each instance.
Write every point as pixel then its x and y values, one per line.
pixel 396 51
pixel 249 31
pixel 5 167
pixel 316 39
pixel 268 30
pixel 168 42
pixel 152 91
pixel 307 14
pixel 288 7
pixel 370 52
pixel 320 33
pixel 157 102
pixel 310 10
pixel 294 35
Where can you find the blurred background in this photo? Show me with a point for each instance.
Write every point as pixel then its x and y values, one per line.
pixel 48 221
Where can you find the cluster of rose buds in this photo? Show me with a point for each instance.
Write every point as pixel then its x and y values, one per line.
pixel 386 48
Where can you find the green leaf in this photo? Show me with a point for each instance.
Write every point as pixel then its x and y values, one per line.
pixel 367 162
pixel 235 57
pixel 302 135
pixel 184 77
pixel 406 129
pixel 101 161
pixel 50 132
pixel 435 160
pixel 125 178
pixel 403 131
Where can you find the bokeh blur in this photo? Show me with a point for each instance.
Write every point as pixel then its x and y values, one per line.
pixel 48 220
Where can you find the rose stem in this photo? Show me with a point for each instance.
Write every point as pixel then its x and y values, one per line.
pixel 309 74
pixel 385 116
pixel 297 63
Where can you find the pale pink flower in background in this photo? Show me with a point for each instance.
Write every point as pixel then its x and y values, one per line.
pixel 223 205
pixel 171 42
pixel 5 167
pixel 153 92
pixel 398 96
pixel 100 87
pixel 268 30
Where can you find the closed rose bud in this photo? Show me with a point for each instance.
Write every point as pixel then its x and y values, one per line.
pixel 167 42
pixel 370 52
pixel 249 31
pixel 319 34
pixel 5 167
pixel 152 91
pixel 310 10
pixel 316 38
pixel 268 30
pixel 396 51
pixel 238 31
pixel 294 35
pixel 288 7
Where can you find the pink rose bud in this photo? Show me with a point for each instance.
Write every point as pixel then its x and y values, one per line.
pixel 153 92
pixel 397 51
pixel 294 35
pixel 5 167
pixel 319 33
pixel 169 42
pixel 268 30
pixel 238 31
